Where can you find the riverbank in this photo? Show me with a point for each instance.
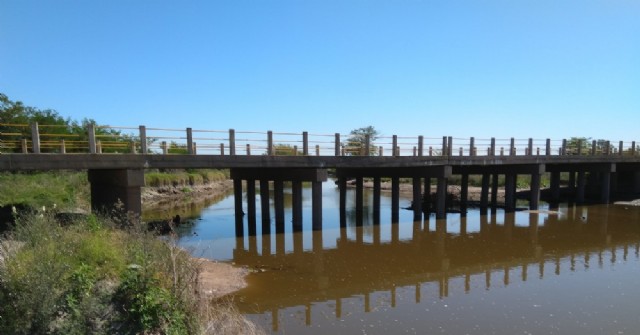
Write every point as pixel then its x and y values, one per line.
pixel 406 190
pixel 164 195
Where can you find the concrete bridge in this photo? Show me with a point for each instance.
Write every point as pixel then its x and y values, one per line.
pixel 116 163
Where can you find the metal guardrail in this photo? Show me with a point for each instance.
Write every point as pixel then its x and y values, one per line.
pixel 34 138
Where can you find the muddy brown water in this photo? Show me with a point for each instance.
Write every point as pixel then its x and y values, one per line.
pixel 570 270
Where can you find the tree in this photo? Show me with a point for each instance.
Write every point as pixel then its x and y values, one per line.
pixel 15 119
pixel 286 150
pixel 356 144
pixel 576 144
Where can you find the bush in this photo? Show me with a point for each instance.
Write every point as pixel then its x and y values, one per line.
pixel 92 277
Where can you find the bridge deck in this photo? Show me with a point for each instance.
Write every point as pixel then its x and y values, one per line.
pixel 18 162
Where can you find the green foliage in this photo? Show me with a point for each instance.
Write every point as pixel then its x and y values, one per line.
pixel 65 189
pixel 578 144
pixel 147 305
pixel 357 141
pixel 286 150
pixel 182 178
pixel 15 120
pixel 80 279
pixel 175 148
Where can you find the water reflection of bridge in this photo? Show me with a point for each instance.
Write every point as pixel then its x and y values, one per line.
pixel 433 255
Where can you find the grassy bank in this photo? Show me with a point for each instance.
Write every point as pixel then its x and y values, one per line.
pixel 184 178
pixel 102 275
pixel 69 190
pixel 65 189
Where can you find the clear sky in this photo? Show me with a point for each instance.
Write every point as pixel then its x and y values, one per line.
pixel 483 68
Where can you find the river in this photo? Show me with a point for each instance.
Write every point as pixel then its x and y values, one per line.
pixel 570 270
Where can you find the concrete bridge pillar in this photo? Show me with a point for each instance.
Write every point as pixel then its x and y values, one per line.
pixel 555 186
pixel 278 176
pixel 510 192
pixel 464 193
pixel 441 198
pixel 112 186
pixel 395 199
pixel 484 193
pixel 580 188
pixel 494 191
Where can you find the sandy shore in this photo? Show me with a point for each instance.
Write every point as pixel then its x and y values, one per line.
pixel 216 279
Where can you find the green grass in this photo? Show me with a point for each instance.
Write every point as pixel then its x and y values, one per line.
pixel 181 178
pixel 65 189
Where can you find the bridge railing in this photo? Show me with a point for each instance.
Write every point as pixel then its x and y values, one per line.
pixel 34 138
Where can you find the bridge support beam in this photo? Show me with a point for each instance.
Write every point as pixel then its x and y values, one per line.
pixel 113 186
pixel 510 192
pixel 278 176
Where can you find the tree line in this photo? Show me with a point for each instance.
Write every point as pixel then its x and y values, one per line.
pixel 16 118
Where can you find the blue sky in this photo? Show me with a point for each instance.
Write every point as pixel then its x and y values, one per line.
pixel 483 68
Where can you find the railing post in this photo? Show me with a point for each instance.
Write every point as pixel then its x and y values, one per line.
pixel 548 148
pixel 143 139
pixel 593 147
pixel 415 151
pixel 99 147
pixel 295 150
pixel 132 146
pixel 394 143
pixel 493 147
pixel 430 151
pixel 380 151
pixel 450 146
pixel 305 143
pixel 579 147
pixel 530 153
pixel 190 141
pixel 317 150
pixel 270 150
pixel 232 142
pixel 444 146
pixel 63 148
pixel 221 149
pixel 25 146
pixel 461 151
pixel 165 149
pixel 620 148
pixel 248 149
pixel 195 148
pixel 337 144
pixel 564 147
pixel 91 132
pixel 472 146
pixel 420 145
pixel 512 147
pixel 607 148
pixel 501 151
pixel 633 148
pixel 35 138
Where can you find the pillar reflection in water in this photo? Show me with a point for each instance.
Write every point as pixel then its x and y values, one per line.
pixel 356 268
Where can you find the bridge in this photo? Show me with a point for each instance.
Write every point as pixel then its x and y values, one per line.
pixel 116 158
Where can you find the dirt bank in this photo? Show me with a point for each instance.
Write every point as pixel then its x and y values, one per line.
pixel 158 196
pixel 218 279
pixel 406 190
